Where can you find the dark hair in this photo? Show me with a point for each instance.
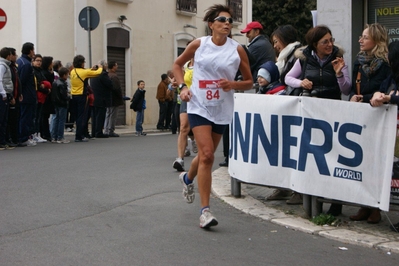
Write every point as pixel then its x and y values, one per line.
pixel 63 71
pixel 138 82
pixel 393 58
pixel 47 60
pixel 111 64
pixel 5 52
pixel 57 65
pixel 214 11
pixel 27 47
pixel 37 56
pixel 286 34
pixel 78 61
pixel 315 34
pixel 164 76
pixel 12 50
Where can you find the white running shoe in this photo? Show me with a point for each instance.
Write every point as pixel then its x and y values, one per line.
pixel 207 219
pixel 187 152
pixel 188 190
pixel 178 164
pixel 194 147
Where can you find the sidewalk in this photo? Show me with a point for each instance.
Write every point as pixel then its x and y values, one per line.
pixel 253 202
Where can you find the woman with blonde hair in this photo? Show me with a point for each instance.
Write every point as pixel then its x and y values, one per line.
pixel 370 69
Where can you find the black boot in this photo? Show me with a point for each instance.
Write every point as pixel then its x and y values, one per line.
pixel 335 209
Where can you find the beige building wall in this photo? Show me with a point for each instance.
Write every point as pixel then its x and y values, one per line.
pixel 156 30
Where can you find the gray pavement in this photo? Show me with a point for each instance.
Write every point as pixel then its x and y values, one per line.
pixel 252 201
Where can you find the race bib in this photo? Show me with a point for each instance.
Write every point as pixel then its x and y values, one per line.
pixel 211 93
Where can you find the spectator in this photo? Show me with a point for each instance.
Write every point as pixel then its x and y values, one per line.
pixel 369 71
pixel 216 57
pixel 56 67
pixel 389 92
pixel 162 98
pixel 29 97
pixel 102 89
pixel 139 105
pixel 116 101
pixel 322 73
pixel 13 115
pixel 259 46
pixel 43 88
pixel 48 107
pixel 60 100
pixel 79 90
pixel 285 43
pixel 172 95
pixel 6 91
pixel 70 117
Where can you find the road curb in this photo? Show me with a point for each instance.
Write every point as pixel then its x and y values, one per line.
pixel 221 188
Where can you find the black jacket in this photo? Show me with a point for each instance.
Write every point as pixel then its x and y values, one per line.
pixel 102 89
pixel 262 51
pixel 138 99
pixel 59 93
pixel 323 76
pixel 369 85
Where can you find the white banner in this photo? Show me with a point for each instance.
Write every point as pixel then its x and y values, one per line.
pixel 334 149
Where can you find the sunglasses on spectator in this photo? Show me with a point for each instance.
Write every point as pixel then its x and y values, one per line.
pixel 224 19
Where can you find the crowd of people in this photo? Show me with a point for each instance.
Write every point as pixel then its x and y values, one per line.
pixel 41 99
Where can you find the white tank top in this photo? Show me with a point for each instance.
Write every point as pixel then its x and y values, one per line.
pixel 213 63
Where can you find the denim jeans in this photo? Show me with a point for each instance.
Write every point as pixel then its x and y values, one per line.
pixel 58 123
pixel 139 121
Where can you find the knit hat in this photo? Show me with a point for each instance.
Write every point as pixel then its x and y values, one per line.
pixel 272 74
pixel 264 74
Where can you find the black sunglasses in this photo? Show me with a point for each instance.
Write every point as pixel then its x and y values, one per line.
pixel 224 19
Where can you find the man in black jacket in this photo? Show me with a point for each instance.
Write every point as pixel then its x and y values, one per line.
pixel 259 46
pixel 116 101
pixel 102 89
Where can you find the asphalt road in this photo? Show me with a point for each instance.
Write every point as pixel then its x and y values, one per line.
pixel 118 202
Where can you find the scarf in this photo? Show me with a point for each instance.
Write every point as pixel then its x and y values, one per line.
pixel 282 57
pixel 369 63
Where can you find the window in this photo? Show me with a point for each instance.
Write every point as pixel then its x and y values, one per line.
pixel 236 6
pixel 189 6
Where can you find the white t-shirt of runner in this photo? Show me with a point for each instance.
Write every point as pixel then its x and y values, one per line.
pixel 213 63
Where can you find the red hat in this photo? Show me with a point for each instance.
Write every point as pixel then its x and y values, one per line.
pixel 252 25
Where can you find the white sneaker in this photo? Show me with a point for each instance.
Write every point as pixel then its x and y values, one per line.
pixel 194 147
pixel 207 219
pixel 188 190
pixel 178 164
pixel 29 143
pixel 187 152
pixel 63 141
pixel 38 139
